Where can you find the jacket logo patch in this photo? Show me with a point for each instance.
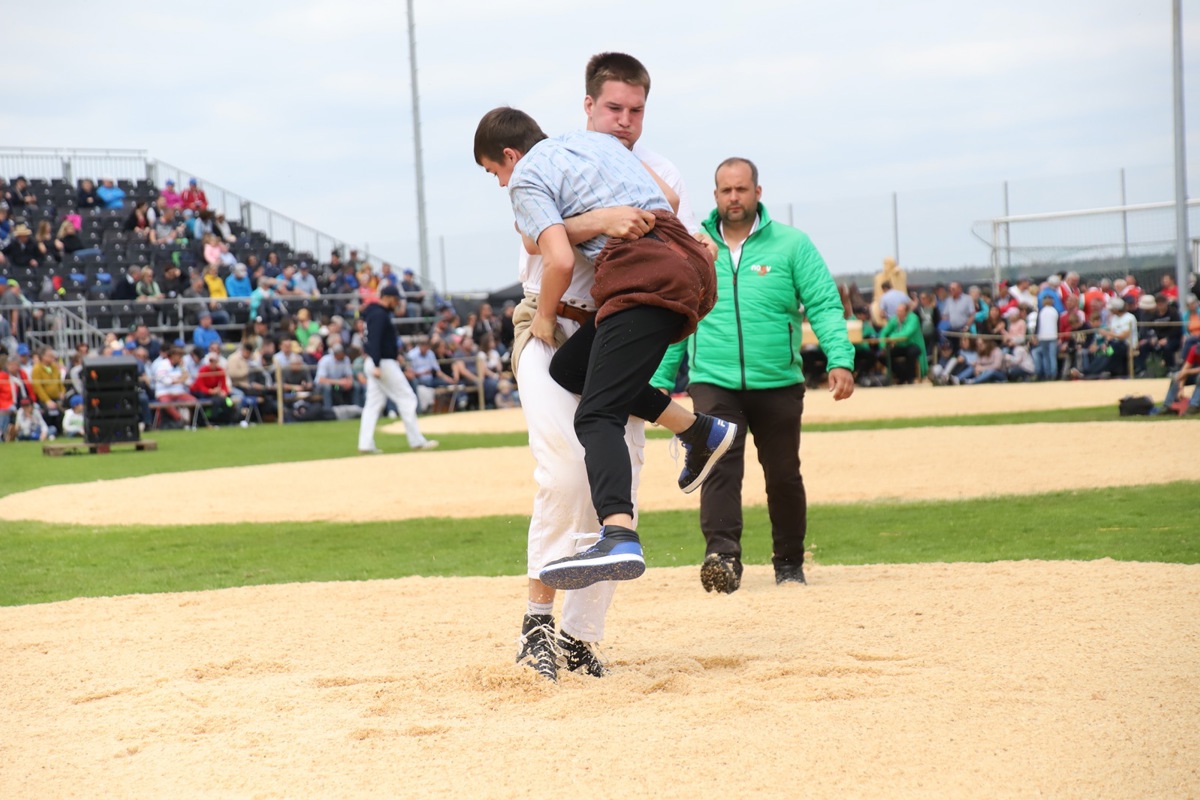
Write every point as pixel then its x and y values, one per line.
pixel 760 269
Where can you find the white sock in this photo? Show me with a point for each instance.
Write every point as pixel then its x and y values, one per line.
pixel 540 609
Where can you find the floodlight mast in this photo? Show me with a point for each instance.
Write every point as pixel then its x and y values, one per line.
pixel 422 234
pixel 1182 251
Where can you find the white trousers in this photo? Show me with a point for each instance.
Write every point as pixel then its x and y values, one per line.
pixel 390 385
pixel 562 507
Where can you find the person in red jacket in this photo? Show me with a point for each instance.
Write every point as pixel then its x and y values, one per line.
pixel 212 383
pixel 194 197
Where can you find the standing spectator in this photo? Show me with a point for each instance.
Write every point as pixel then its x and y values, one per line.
pixel 930 318
pixel 384 377
pixel 110 195
pixel 890 301
pixel 754 386
pixel 194 198
pixel 470 370
pixel 485 324
pixel 1045 338
pixel 86 199
pixel 959 313
pixel 168 193
pixel 9 393
pixel 335 378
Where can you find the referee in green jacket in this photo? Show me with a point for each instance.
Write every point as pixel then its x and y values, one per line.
pixel 744 366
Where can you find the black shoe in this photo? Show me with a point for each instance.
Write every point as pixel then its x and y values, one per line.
pixel 537 646
pixel 789 573
pixel 616 557
pixel 704 443
pixel 721 574
pixel 580 656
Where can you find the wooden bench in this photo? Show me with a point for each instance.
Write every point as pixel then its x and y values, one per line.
pixel 61 448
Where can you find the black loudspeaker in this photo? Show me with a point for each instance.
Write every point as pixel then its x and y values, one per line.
pixel 110 400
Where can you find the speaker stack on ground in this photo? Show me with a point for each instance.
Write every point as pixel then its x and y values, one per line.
pixel 110 400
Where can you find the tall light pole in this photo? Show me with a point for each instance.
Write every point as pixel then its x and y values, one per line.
pixel 1182 250
pixel 422 235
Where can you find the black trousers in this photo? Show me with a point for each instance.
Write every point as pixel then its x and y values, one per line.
pixel 610 366
pixel 773 416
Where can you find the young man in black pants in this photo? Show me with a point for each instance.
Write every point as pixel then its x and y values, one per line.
pixel 650 292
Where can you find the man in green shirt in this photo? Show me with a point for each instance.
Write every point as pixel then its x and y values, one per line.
pixel 745 367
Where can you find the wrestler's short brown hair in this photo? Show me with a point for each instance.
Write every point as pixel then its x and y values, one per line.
pixel 621 67
pixel 505 127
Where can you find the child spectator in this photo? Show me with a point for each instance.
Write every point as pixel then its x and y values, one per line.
pixel 73 419
pixel 30 426
pixel 507 395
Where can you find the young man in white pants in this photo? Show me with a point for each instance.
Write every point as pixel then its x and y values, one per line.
pixel 385 379
pixel 617 85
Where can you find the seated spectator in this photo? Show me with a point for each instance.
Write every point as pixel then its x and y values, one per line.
pixel 86 199
pixel 1110 349
pixel 222 228
pixel 909 361
pixel 387 277
pixel 205 335
pixel 1019 364
pixel 48 249
pixel 22 251
pixel 294 376
pixel 72 423
pixel 213 283
pixel 313 351
pixel 147 288
pixel 368 291
pixel 469 370
pixel 345 281
pixel 335 378
pixel 173 283
pixel 68 241
pixel 193 197
pixel 271 268
pixel 237 284
pixel 303 283
pixel 217 252
pixel 413 293
pixel 507 395
pixel 263 302
pixel 19 195
pixel 285 284
pixel 138 221
pixel 212 383
pixel 166 228
pixel 424 364
pixel 30 425
pixel 306 326
pixel 168 193
pixel 1164 335
pixel 6 228
pixel 1185 376
pixel 171 382
pixel 110 195
pixel 989 365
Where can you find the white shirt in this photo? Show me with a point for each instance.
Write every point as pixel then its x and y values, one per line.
pixel 579 291
pixel 1119 323
pixel 1047 324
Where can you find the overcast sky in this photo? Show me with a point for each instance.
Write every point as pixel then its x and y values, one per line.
pixel 305 107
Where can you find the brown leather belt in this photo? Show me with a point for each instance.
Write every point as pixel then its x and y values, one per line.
pixel 574 313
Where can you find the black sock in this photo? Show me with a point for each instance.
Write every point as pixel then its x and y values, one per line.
pixel 700 426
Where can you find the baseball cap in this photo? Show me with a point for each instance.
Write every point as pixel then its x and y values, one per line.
pixel 389 291
pixel 170 182
pixel 191 181
pixel 22 349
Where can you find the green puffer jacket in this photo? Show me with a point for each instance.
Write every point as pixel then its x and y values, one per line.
pixel 751 339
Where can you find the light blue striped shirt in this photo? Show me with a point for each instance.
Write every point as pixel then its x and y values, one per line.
pixel 579 171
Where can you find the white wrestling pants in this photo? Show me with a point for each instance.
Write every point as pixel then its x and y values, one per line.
pixel 562 507
pixel 390 385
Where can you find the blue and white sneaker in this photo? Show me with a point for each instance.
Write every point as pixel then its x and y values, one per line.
pixel 616 557
pixel 705 443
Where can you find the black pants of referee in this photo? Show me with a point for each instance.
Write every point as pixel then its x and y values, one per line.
pixel 773 416
pixel 610 366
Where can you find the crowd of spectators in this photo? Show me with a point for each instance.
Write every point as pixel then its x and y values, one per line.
pixel 1059 328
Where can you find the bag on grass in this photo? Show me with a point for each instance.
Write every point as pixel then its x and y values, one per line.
pixel 1135 406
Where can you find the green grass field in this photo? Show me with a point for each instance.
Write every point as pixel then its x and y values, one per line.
pixel 41 563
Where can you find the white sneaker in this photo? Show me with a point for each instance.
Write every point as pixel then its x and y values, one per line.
pixel 374 451
pixel 428 444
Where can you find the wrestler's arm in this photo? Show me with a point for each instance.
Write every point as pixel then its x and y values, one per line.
pixel 618 222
